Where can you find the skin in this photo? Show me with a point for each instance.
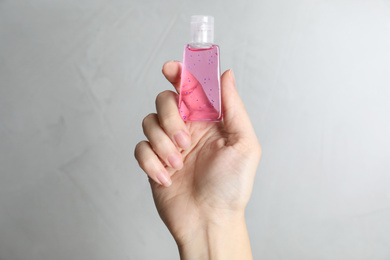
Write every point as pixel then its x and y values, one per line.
pixel 201 173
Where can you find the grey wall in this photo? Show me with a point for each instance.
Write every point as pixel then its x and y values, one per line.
pixel 77 77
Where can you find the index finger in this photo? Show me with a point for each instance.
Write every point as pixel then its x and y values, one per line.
pixel 172 72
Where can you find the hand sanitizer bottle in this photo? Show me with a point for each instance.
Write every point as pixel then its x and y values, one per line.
pixel 200 89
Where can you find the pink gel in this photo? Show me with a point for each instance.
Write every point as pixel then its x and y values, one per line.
pixel 200 91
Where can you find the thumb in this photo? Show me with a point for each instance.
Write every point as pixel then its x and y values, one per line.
pixel 235 117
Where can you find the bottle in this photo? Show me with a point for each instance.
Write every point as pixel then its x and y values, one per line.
pixel 200 88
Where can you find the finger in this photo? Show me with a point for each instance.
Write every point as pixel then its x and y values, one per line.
pixel 235 116
pixel 172 72
pixel 151 165
pixel 170 120
pixel 161 143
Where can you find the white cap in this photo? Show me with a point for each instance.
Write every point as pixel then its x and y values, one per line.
pixel 202 30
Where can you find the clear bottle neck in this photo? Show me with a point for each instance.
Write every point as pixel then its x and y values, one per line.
pixel 200 45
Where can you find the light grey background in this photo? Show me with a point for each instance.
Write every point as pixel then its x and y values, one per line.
pixel 77 77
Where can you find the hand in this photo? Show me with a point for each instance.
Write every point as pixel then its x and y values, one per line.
pixel 201 173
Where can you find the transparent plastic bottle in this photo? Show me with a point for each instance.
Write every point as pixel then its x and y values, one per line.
pixel 200 89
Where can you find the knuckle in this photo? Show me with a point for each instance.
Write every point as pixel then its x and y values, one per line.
pixel 138 149
pixel 163 147
pixel 169 120
pixel 163 96
pixel 145 164
pixel 147 119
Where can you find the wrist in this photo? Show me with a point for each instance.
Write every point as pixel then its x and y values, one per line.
pixel 219 238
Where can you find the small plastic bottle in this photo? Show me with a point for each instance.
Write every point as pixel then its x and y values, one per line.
pixel 200 89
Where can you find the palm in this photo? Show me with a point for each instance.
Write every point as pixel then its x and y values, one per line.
pixel 217 170
pixel 210 183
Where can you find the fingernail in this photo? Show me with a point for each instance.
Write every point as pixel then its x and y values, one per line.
pixel 175 160
pixel 182 139
pixel 232 76
pixel 164 179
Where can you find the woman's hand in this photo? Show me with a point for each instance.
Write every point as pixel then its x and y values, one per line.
pixel 201 173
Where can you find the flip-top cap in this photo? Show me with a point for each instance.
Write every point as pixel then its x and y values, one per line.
pixel 202 30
